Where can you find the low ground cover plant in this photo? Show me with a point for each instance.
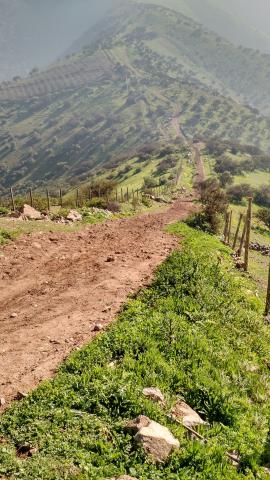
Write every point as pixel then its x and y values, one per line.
pixel 198 334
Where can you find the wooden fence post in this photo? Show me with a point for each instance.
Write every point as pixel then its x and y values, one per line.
pixel 237 230
pixel 127 195
pixel 31 197
pixel 122 196
pixel 99 192
pixel 12 199
pixel 249 214
pixel 267 306
pixel 226 227
pixel 77 198
pixel 61 197
pixel 90 193
pixel 48 200
pixel 230 227
pixel 243 236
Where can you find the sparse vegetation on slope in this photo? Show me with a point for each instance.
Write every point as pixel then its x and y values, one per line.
pixel 197 333
pixel 138 82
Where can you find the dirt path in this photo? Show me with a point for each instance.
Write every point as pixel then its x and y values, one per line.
pixel 55 288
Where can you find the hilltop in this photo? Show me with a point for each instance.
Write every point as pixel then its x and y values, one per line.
pixel 145 75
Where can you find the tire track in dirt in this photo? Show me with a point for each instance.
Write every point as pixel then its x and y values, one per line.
pixel 61 285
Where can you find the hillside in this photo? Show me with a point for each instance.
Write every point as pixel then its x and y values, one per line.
pixel 149 76
pixel 242 22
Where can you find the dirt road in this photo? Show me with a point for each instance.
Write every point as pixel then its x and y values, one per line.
pixel 55 288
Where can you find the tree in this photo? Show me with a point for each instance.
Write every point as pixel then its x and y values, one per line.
pixel 264 215
pixel 215 203
pixel 225 179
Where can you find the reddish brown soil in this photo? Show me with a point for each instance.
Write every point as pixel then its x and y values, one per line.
pixel 59 286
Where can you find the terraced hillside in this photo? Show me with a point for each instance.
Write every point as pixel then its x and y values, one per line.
pixel 132 86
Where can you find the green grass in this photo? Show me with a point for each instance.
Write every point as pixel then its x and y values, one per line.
pixel 259 264
pixel 197 333
pixel 255 179
pixel 5 235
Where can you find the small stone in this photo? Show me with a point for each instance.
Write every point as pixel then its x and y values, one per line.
pixel 110 259
pixel 74 216
pixel 13 315
pixel 2 402
pixel 36 245
pixel 154 394
pixel 189 417
pixel 156 440
pixel 97 328
pixel 20 395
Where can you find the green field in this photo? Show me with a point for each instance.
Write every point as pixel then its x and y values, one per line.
pixel 255 179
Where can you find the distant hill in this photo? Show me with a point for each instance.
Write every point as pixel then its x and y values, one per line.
pixel 243 22
pixel 148 76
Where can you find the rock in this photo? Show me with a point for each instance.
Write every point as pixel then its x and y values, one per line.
pixel 74 216
pixel 13 315
pixel 26 450
pixel 20 396
pixel 97 328
pixel 110 259
pixel 156 440
pixel 189 417
pixel 154 394
pixel 36 245
pixel 30 213
pixel 2 402
pixel 126 477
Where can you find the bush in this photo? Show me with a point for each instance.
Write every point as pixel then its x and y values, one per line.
pixel 215 202
pixel 236 193
pixel 4 211
pixel 97 202
pixel 113 206
pixel 264 215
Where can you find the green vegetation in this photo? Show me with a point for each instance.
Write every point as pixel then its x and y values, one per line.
pixel 197 333
pixel 5 236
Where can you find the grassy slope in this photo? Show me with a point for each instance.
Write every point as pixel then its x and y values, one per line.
pixel 197 333
pixel 60 139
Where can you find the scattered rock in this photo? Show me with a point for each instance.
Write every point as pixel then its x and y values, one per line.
pixel 13 315
pixel 2 401
pixel 30 213
pixel 26 450
pixel 36 245
pixel 20 396
pixel 97 328
pixel 157 440
pixel 189 417
pixel 154 394
pixel 110 259
pixel 74 216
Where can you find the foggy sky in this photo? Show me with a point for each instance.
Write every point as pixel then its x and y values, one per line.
pixel 37 32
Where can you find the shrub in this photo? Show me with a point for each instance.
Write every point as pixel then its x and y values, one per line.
pixel 4 211
pixel 215 202
pixel 236 193
pixel 264 215
pixel 113 206
pixel 97 202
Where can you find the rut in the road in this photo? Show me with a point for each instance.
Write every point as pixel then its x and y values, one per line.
pixel 60 285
